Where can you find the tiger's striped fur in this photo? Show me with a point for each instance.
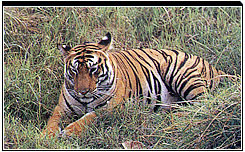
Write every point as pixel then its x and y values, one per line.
pixel 96 78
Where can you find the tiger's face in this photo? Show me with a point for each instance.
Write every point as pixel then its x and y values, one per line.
pixel 87 69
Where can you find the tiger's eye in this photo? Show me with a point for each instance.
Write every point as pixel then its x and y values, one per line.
pixel 93 69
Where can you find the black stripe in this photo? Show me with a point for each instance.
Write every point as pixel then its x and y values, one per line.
pixel 105 79
pixel 128 60
pixel 103 103
pixel 84 104
pixel 146 72
pixel 184 61
pixel 100 105
pixel 148 99
pixel 147 75
pixel 197 61
pixel 168 66
pixel 78 53
pixel 138 84
pixel 197 95
pixel 88 56
pixel 158 87
pixel 78 57
pixel 211 76
pixel 172 74
pixel 176 52
pixel 204 71
pixel 142 57
pixel 156 63
pixel 79 50
pixel 124 67
pixel 157 83
pixel 164 54
pixel 142 66
pixel 68 105
pixel 89 51
pixel 79 46
pixel 184 83
pixel 178 80
pixel 190 68
pixel 69 74
pixel 91 45
pixel 192 87
pixel 180 76
pixel 187 78
pixel 177 70
pixel 103 71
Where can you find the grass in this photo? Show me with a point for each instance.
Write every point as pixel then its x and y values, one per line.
pixel 33 74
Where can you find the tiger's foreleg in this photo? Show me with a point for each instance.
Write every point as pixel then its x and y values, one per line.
pixel 78 127
pixel 52 127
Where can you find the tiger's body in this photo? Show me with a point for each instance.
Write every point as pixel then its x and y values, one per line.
pixel 96 78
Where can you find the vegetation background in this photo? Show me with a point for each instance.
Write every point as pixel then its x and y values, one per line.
pixel 33 74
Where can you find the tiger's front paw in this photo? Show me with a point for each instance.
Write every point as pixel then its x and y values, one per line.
pixel 74 129
pixel 50 132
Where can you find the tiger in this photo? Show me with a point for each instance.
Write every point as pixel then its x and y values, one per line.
pixel 95 77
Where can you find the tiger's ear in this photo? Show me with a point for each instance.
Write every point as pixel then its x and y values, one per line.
pixel 64 49
pixel 106 42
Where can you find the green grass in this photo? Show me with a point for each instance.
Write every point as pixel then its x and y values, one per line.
pixel 33 74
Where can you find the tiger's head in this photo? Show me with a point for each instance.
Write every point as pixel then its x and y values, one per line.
pixel 88 71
